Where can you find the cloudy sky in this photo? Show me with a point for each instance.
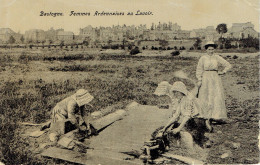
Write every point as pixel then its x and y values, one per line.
pixel 22 15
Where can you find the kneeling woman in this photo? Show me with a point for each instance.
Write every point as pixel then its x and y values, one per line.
pixel 67 115
pixel 187 118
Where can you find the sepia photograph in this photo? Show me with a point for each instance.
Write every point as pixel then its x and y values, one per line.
pixel 138 82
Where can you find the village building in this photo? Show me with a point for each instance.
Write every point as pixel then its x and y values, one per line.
pixel 241 30
pixel 6 33
pixel 120 33
pixel 164 31
pixel 88 33
pixel 35 35
pixel 65 36
pixel 105 34
pixel 51 35
pixel 209 33
pixel 183 34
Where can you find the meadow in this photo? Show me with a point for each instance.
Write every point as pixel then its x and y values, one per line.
pixel 32 82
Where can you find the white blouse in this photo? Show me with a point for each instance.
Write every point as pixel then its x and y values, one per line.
pixel 211 63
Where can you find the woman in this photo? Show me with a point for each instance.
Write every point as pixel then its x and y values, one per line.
pixel 68 113
pixel 187 118
pixel 209 82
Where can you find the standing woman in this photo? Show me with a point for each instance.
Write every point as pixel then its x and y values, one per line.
pixel 210 84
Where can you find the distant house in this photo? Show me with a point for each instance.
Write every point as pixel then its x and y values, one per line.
pixel 201 33
pixel 241 30
pixel 209 33
pixel 88 33
pixel 5 34
pixel 183 34
pixel 52 34
pixel 106 34
pixel 65 36
pixel 35 35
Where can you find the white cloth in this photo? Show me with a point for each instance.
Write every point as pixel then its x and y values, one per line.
pixel 211 90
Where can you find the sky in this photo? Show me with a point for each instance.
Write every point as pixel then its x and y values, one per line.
pixel 22 15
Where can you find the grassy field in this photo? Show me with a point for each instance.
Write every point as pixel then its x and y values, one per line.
pixel 33 81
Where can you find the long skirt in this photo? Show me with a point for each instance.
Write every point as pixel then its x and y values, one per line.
pixel 212 93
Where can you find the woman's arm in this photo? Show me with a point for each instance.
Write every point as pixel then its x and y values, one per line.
pixel 71 112
pixel 226 64
pixel 172 120
pixel 199 71
pixel 184 121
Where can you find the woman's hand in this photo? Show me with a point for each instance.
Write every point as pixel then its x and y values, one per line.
pixel 176 130
pixel 221 72
pixel 199 83
pixel 160 133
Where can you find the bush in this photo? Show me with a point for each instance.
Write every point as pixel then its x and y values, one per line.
pixel 182 48
pixel 228 44
pixel 175 53
pixel 114 47
pixel 135 51
pixel 235 57
pixel 169 48
pixel 105 47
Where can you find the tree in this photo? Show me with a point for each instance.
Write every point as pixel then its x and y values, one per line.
pixel 228 44
pixel 109 43
pixel 50 42
pixel 22 39
pixel 222 41
pixel 197 43
pixel 139 42
pixel 250 42
pixel 124 41
pixel 96 42
pixel 61 44
pixel 43 42
pixel 135 51
pixel 221 29
pixel 163 43
pixel 11 40
pixel 86 43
